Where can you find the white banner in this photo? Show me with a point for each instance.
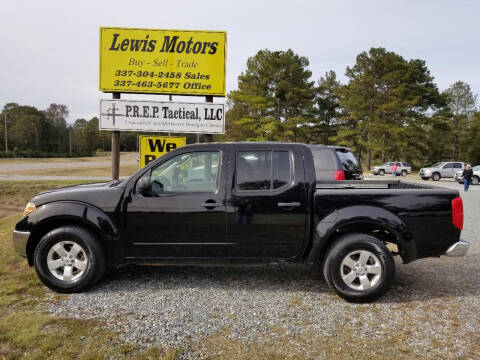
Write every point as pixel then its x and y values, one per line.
pixel 153 116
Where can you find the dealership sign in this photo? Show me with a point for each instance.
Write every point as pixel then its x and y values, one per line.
pixel 152 147
pixel 162 61
pixel 152 116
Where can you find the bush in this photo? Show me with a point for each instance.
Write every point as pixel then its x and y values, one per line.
pixel 16 153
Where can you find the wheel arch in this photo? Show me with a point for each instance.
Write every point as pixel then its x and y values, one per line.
pixel 65 213
pixel 381 223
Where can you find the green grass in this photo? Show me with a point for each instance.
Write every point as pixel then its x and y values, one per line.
pixel 26 330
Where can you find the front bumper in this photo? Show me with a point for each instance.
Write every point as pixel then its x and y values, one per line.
pixel 458 249
pixel 20 239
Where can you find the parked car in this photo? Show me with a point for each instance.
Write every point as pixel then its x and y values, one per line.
pixel 240 203
pixel 475 177
pixel 403 168
pixel 441 170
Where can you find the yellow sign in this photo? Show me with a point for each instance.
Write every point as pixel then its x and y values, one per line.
pixel 152 147
pixel 162 61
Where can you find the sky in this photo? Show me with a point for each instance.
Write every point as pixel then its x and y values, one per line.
pixel 50 49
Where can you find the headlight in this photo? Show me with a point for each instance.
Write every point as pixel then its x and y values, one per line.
pixel 29 208
pixel 428 171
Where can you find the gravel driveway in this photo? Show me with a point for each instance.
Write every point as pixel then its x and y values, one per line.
pixel 432 310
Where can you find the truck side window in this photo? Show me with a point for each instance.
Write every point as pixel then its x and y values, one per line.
pixel 190 172
pixel 448 166
pixel 255 170
pixel 281 168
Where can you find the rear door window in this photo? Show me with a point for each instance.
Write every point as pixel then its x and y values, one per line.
pixel 457 165
pixel 255 170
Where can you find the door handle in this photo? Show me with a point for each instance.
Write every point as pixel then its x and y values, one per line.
pixel 211 205
pixel 289 204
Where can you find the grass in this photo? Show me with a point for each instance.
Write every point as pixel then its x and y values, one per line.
pixel 26 330
pixel 125 170
pixel 100 156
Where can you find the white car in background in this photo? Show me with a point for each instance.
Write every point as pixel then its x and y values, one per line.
pixel 475 177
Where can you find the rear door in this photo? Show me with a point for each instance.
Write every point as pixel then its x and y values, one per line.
pixel 267 203
pixel 448 170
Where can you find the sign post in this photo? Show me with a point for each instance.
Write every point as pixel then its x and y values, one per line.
pixel 115 145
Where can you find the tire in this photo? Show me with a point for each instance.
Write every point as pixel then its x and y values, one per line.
pixel 381 172
pixel 78 259
pixel 436 176
pixel 404 172
pixel 425 178
pixel 475 180
pixel 347 249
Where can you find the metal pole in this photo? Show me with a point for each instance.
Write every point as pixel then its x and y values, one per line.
pixel 209 137
pixel 6 137
pixel 169 99
pixel 115 148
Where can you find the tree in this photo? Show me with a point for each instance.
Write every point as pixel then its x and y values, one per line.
pixel 273 96
pixel 386 103
pixel 323 123
pixel 57 115
pixel 461 102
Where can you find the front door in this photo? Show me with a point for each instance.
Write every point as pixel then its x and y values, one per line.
pixel 178 208
pixel 267 204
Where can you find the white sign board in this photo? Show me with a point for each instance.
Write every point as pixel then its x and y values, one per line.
pixel 154 116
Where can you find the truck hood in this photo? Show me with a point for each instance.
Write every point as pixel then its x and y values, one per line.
pixel 98 194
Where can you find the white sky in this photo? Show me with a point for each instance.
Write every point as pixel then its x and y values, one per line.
pixel 49 49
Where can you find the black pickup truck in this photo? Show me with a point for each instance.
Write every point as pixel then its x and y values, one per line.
pixel 240 203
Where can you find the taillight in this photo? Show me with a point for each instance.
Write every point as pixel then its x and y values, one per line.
pixel 457 213
pixel 339 175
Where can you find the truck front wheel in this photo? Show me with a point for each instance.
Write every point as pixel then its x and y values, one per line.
pixel 69 259
pixel 359 267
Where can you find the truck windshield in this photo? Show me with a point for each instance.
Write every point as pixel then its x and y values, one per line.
pixel 348 160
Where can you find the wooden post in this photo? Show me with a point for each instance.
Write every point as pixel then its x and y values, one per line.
pixel 209 137
pixel 115 148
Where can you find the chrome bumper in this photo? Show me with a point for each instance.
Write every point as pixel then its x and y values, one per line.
pixel 20 239
pixel 458 249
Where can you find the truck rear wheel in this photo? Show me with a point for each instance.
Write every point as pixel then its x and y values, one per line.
pixel 436 176
pixel 69 259
pixel 404 173
pixel 359 268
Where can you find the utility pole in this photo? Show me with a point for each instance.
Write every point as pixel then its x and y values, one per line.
pixel 115 147
pixel 6 137
pixel 70 136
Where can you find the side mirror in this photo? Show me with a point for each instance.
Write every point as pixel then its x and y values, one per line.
pixel 144 185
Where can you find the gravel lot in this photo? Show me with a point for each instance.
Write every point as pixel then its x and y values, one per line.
pixel 430 312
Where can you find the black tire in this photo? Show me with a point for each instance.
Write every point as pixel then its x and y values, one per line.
pixel 404 172
pixel 475 180
pixel 436 176
pixel 351 243
pixel 92 251
pixel 381 172
pixel 425 178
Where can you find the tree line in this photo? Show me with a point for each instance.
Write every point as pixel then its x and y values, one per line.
pixel 46 133
pixel 390 109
